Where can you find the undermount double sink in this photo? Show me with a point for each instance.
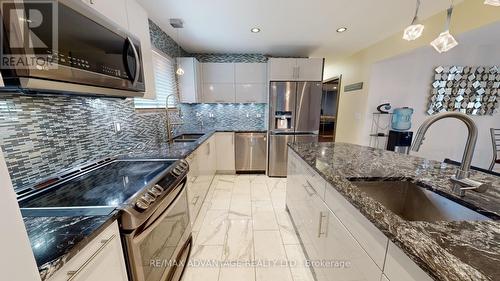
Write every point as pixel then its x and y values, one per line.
pixel 412 202
pixel 187 137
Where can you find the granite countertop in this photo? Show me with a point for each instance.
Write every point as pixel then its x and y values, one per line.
pixel 460 250
pixel 55 240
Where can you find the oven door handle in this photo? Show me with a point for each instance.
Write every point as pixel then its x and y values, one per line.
pixel 149 228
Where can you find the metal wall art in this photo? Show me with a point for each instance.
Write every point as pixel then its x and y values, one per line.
pixel 467 89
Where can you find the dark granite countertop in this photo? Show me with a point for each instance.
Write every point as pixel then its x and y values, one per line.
pixel 180 150
pixel 458 250
pixel 55 240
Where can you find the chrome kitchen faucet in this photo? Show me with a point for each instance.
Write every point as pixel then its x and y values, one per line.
pixel 461 180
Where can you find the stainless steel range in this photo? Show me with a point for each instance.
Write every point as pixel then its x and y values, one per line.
pixel 151 197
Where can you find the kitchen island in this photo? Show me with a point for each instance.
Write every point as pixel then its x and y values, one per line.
pixel 443 250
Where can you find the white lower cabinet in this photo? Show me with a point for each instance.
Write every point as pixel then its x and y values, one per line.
pixel 346 260
pixel 195 188
pixel 373 241
pixel 333 252
pixel 101 259
pixel 399 267
pixel 202 168
pixel 225 152
pixel 333 231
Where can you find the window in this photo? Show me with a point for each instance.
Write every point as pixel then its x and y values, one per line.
pixel 165 82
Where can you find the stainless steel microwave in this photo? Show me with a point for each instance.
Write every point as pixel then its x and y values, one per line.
pixel 64 46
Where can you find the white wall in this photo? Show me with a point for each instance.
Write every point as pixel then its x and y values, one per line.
pixel 16 258
pixel 406 81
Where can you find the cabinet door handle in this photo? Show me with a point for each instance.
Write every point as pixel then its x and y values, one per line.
pixel 73 274
pixel 307 187
pixel 208 148
pixel 320 228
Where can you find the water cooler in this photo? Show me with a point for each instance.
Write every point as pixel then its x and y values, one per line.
pixel 400 138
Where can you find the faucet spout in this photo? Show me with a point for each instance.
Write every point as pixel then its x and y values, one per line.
pixel 469 146
pixel 461 179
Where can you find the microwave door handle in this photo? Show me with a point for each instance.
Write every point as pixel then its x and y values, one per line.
pixel 138 63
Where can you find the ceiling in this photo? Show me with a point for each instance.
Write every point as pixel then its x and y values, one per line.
pixel 289 27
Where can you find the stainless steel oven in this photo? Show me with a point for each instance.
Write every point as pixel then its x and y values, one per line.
pixel 79 50
pixel 158 249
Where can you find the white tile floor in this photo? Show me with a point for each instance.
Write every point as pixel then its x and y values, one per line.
pixel 244 233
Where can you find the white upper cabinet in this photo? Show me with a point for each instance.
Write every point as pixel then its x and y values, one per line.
pixel 251 93
pixel 138 25
pixel 190 86
pixel 250 73
pixel 291 69
pixel 234 82
pixel 310 69
pixel 218 73
pixel 280 69
pixel 112 9
pixel 218 93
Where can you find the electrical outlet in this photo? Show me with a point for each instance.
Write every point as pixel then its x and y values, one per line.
pixel 118 127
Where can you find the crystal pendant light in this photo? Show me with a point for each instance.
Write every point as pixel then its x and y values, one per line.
pixel 415 30
pixel 178 24
pixel 445 40
pixel 495 3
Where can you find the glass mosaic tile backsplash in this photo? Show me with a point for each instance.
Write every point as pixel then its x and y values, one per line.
pixel 42 135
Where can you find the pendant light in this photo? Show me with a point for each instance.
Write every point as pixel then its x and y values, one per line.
pixel 415 29
pixel 178 24
pixel 495 3
pixel 445 40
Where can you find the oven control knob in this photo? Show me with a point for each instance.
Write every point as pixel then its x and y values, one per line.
pixel 141 204
pixel 148 198
pixel 154 191
pixel 159 188
pixel 177 171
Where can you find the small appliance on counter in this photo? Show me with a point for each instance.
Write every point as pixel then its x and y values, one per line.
pixel 400 141
pixel 400 138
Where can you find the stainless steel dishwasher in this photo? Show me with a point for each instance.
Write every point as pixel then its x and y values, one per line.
pixel 250 152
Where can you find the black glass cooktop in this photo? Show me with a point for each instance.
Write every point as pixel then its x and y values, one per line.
pixel 108 186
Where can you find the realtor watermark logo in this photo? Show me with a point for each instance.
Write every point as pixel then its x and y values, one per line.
pixel 30 34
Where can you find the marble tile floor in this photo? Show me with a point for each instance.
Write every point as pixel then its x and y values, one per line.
pixel 244 233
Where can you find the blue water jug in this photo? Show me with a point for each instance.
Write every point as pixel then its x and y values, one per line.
pixel 401 118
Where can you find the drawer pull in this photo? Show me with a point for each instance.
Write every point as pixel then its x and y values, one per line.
pixel 195 200
pixel 72 274
pixel 320 229
pixel 308 187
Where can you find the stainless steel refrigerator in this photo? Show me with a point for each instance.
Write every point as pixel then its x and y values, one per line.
pixel 294 116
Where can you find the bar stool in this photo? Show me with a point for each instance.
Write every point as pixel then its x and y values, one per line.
pixel 495 140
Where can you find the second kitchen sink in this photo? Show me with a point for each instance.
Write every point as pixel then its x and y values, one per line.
pixel 412 202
